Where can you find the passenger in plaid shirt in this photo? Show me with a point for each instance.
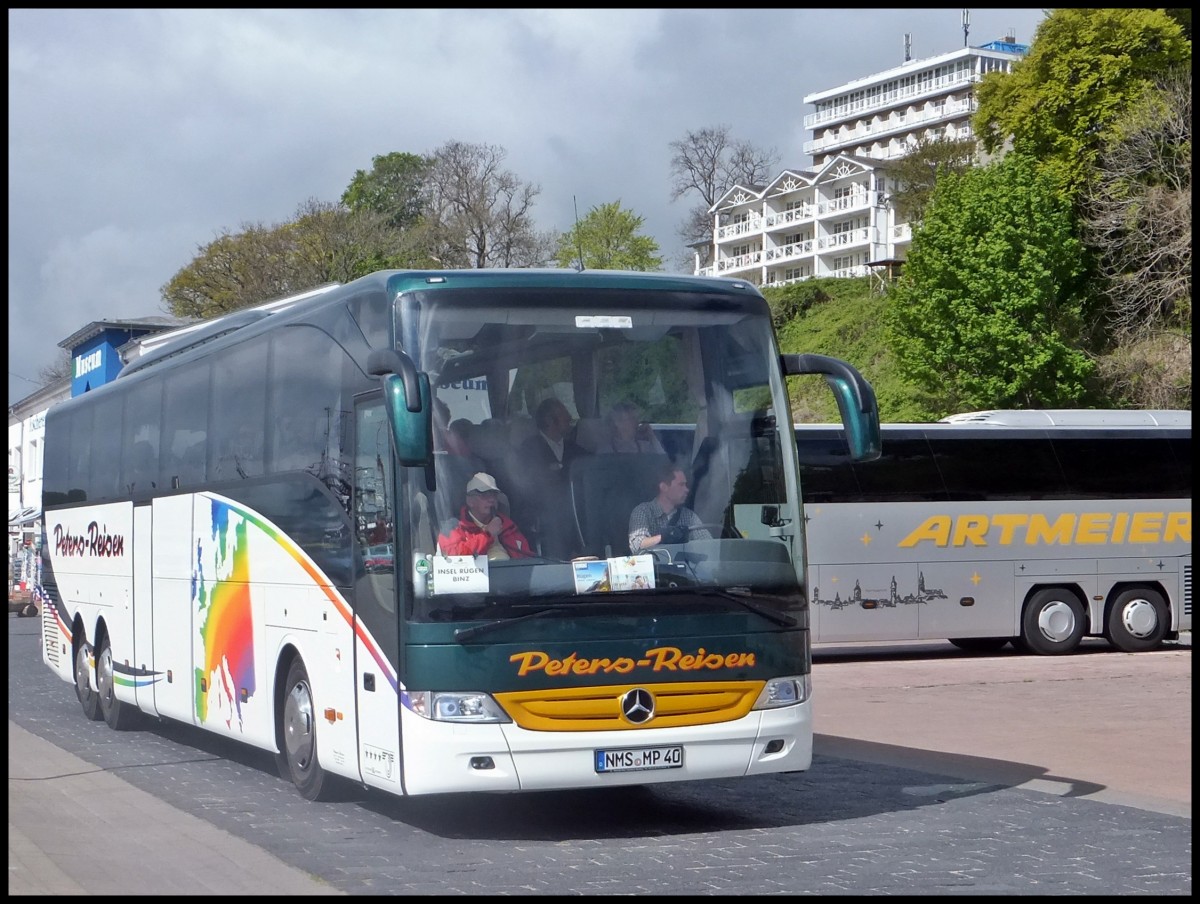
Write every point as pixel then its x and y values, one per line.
pixel 665 519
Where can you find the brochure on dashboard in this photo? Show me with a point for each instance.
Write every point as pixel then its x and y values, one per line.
pixel 620 573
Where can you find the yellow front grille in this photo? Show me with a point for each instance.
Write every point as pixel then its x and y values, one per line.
pixel 599 708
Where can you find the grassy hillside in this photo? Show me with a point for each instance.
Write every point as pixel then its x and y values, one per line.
pixel 841 318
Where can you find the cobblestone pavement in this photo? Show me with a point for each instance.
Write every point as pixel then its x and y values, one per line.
pixel 846 826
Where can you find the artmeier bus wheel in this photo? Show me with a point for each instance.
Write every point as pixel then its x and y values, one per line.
pixel 299 742
pixel 119 716
pixel 1137 620
pixel 1052 623
pixel 88 698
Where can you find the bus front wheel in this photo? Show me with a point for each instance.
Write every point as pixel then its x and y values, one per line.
pixel 1137 620
pixel 1052 623
pixel 297 757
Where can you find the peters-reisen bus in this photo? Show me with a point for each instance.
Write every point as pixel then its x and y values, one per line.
pixel 220 518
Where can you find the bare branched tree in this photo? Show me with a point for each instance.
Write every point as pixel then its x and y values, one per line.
pixel 707 163
pixel 1137 214
pixel 59 370
pixel 1137 217
pixel 479 213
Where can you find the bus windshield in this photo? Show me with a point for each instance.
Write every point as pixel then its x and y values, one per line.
pixel 593 415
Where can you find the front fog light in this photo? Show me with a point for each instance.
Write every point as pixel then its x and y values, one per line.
pixel 784 692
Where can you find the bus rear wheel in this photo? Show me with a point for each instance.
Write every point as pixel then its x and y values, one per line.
pixel 88 698
pixel 1137 620
pixel 1052 623
pixel 297 757
pixel 119 716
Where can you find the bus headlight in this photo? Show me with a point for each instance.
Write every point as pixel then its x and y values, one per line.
pixel 784 692
pixel 456 706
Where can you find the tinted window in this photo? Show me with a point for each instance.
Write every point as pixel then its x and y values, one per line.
pixel 239 406
pixel 185 426
pixel 143 412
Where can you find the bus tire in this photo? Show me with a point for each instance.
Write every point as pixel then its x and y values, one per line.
pixel 297 757
pixel 120 716
pixel 980 644
pixel 1137 620
pixel 1053 622
pixel 88 698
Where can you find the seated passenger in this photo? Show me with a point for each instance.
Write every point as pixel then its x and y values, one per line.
pixel 665 519
pixel 541 468
pixel 627 432
pixel 482 529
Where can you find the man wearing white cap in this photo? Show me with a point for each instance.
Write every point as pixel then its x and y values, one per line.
pixel 482 529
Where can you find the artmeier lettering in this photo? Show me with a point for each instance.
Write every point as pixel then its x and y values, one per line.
pixel 98 542
pixel 659 659
pixel 1083 528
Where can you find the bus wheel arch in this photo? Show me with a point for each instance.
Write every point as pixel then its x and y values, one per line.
pixel 1137 618
pixel 1053 621
pixel 81 654
pixel 296 735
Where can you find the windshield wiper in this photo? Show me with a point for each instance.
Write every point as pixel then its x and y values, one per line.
pixel 462 635
pixel 779 618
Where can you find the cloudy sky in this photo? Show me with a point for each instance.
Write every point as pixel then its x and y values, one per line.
pixel 136 137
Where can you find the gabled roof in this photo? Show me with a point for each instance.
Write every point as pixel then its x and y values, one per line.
pixel 738 194
pixel 790 180
pixel 866 164
pixel 151 324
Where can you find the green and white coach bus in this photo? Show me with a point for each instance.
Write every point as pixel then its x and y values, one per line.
pixel 1038 527
pixel 242 535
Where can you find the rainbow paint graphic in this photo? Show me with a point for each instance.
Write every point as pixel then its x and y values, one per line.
pixel 224 618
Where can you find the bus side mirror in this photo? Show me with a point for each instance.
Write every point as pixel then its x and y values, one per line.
pixel 855 400
pixel 407 401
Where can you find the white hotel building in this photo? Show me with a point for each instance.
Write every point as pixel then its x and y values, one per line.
pixel 837 219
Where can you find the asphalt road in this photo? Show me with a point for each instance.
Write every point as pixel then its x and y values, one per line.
pixel 934 773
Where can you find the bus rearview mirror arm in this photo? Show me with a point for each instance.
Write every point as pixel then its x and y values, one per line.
pixel 384 361
pixel 855 399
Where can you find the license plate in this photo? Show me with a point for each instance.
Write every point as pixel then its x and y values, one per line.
pixel 633 759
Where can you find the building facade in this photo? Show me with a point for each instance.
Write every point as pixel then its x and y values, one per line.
pixel 96 358
pixel 837 219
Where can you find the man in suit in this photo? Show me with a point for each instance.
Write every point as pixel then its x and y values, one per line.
pixel 542 465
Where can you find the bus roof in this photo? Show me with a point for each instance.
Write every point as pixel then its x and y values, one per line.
pixel 1074 417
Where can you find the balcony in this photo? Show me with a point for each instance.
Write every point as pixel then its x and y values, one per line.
pixel 787 217
pixel 752 226
pixel 887 99
pixel 790 250
pixel 891 126
pixel 740 262
pixel 857 201
pixel 844 239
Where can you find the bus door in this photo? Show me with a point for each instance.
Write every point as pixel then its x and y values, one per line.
pixel 143 603
pixel 376 609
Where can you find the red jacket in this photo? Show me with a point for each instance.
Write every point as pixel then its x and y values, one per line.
pixel 469 539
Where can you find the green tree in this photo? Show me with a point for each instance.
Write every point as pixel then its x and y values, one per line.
pixel 1085 68
pixel 606 239
pixel 991 309
pixel 918 170
pixel 324 243
pixel 394 188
